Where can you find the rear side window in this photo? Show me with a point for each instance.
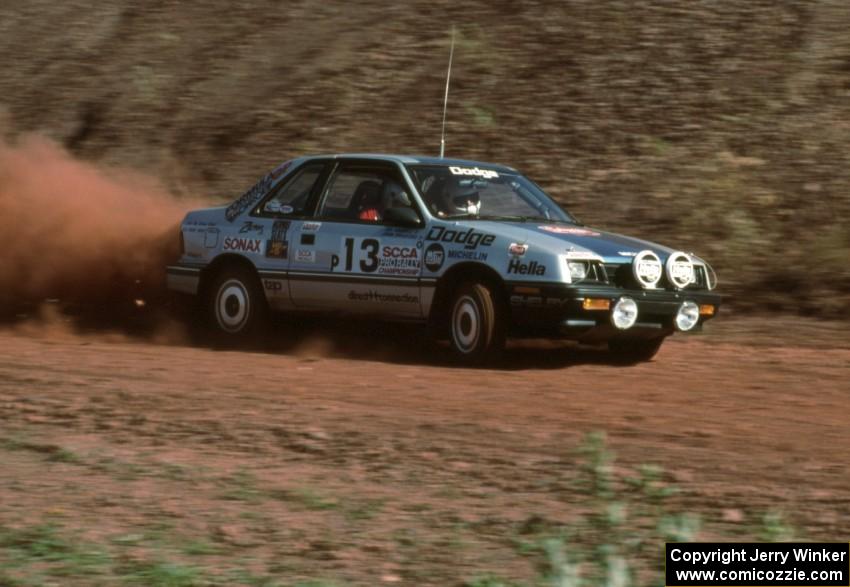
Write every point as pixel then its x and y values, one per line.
pixel 363 193
pixel 293 195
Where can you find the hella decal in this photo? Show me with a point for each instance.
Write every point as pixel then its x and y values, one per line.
pixel 520 268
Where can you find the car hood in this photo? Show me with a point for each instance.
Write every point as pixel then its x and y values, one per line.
pixel 612 247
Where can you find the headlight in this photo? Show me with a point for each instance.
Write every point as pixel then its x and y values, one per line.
pixel 687 316
pixel 578 269
pixel 625 313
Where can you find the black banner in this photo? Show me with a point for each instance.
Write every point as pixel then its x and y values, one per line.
pixel 754 564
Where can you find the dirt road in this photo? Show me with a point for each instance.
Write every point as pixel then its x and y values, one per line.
pixel 319 462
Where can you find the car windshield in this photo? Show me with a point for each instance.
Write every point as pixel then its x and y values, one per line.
pixel 452 191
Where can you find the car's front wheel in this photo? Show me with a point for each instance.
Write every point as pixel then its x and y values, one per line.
pixel 476 322
pixel 634 350
pixel 236 305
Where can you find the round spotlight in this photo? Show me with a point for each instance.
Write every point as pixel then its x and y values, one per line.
pixel 625 313
pixel 647 269
pixel 687 316
pixel 680 270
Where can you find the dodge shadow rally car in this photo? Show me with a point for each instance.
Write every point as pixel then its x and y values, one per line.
pixel 475 250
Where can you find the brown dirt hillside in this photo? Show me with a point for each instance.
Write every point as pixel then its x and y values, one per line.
pixel 722 127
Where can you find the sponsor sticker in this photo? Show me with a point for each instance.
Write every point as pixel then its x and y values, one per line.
pixel 273 285
pixel 243 245
pixel 435 256
pixel 251 226
pixel 305 256
pixel 248 199
pixel 474 172
pixel 369 255
pixel 377 296
pixel 467 255
pixel 469 238
pixel 399 260
pixel 583 256
pixel 277 247
pixel 574 230
pixel 533 268
pixel 396 232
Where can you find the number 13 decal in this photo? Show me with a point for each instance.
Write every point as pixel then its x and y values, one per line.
pixel 369 248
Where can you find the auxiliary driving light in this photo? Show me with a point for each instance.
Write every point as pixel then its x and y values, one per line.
pixel 625 313
pixel 687 316
pixel 578 269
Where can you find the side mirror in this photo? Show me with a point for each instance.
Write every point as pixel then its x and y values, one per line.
pixel 404 217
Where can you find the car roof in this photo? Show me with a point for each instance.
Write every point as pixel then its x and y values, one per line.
pixel 413 160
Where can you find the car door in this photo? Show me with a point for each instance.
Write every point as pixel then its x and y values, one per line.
pixel 356 261
pixel 278 220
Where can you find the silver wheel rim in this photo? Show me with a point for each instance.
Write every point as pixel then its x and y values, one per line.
pixel 232 306
pixel 466 324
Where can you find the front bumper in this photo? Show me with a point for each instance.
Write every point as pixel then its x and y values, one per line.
pixel 557 310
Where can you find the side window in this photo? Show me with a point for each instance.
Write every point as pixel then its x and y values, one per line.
pixel 291 196
pixel 364 193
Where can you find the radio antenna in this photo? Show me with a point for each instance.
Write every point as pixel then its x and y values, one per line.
pixel 446 96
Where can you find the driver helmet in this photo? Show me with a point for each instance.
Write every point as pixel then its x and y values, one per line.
pixel 452 197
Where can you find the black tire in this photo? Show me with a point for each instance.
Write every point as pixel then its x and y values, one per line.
pixel 476 323
pixel 236 306
pixel 634 350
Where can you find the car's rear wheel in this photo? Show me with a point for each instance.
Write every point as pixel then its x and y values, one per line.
pixel 634 350
pixel 236 306
pixel 476 322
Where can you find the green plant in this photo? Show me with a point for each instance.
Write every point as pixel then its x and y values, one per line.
pixel 618 539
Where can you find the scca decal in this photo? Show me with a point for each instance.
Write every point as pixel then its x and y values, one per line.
pixel 245 245
pixel 470 239
pixel 400 252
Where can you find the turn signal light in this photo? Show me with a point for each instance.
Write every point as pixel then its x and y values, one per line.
pixel 596 304
pixel 529 291
pixel 706 310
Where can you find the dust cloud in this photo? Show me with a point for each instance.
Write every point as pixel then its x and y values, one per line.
pixel 75 231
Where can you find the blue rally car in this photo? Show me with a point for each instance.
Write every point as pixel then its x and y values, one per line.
pixel 477 251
